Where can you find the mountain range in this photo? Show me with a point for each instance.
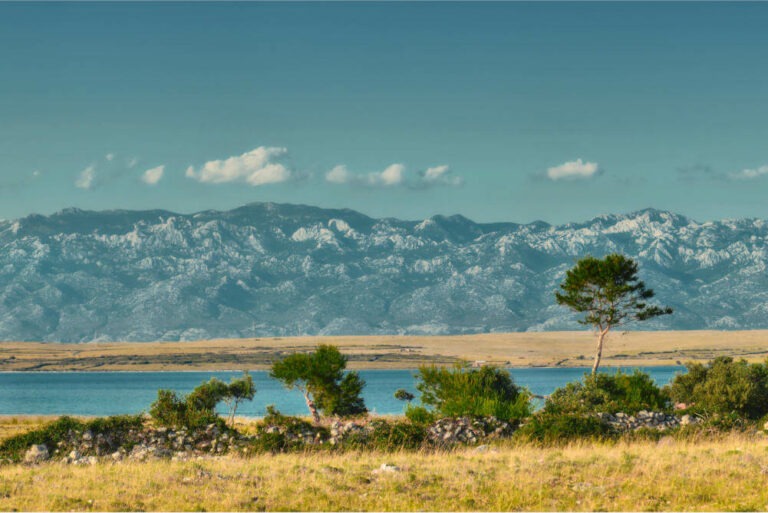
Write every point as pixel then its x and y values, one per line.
pixel 270 269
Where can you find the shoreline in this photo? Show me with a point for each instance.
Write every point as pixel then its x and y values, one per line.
pixel 565 349
pixel 140 371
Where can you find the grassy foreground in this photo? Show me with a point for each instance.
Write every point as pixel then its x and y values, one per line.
pixel 724 474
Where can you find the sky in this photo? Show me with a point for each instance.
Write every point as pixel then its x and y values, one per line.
pixel 497 111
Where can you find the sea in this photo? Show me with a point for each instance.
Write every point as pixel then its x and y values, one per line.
pixel 116 393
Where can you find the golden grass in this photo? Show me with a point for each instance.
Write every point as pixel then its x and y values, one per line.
pixel 568 349
pixel 716 475
pixel 11 425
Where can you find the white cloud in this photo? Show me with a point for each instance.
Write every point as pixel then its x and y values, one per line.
pixel 576 169
pixel 131 163
pixel 152 176
pixel 749 174
pixel 255 167
pixel 392 175
pixel 435 173
pixel 339 174
pixel 109 156
pixel 440 175
pixel 86 178
pixel 36 173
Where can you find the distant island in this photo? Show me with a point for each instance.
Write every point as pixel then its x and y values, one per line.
pixel 546 349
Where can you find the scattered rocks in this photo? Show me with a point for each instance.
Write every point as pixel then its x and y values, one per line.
pixel 340 431
pixel 87 448
pixel 467 430
pixel 36 454
pixel 686 420
pixel 646 420
pixel 139 444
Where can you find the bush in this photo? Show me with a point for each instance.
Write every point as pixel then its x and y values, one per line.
pixel 49 435
pixel 65 430
pixel 273 443
pixel 320 377
pixel 198 408
pixel 723 387
pixel 484 392
pixel 402 394
pixel 388 436
pixel 608 393
pixel 420 415
pixel 556 428
pixel 117 425
pixel 288 424
pixel 286 438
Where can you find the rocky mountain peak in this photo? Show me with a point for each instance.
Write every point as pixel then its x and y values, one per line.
pixel 282 269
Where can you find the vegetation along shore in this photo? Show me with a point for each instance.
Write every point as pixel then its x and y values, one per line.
pixel 470 439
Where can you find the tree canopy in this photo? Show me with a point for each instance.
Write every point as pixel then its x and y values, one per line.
pixel 320 377
pixel 609 294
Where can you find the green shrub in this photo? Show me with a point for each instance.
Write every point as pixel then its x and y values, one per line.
pixel 270 442
pixel 116 425
pixel 320 377
pixel 385 435
pixel 723 387
pixel 170 410
pixel 555 428
pixel 66 429
pixel 285 438
pixel 402 394
pixel 608 393
pixel 198 408
pixel 287 423
pixel 420 415
pixel 461 391
pixel 62 429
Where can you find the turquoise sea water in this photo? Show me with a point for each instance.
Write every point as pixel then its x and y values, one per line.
pixel 113 393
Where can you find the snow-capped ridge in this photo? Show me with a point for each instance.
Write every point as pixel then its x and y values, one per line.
pixel 281 269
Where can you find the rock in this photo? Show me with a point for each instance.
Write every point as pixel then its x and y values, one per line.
pixel 92 460
pixel 386 468
pixel 74 455
pixel 765 426
pixel 36 454
pixel 87 436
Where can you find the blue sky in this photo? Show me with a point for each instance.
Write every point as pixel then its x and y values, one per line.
pixel 498 111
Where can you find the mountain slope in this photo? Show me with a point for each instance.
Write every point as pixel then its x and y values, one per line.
pixel 269 269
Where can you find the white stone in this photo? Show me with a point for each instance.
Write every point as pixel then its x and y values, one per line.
pixel 36 454
pixel 386 468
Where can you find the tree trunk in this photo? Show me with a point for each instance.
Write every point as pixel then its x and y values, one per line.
pixel 233 410
pixel 600 337
pixel 312 408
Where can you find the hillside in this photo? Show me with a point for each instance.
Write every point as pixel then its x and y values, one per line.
pixel 286 270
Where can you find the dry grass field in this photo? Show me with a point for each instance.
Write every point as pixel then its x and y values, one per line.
pixel 569 349
pixel 726 474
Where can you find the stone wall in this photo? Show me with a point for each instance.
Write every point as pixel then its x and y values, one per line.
pixel 646 420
